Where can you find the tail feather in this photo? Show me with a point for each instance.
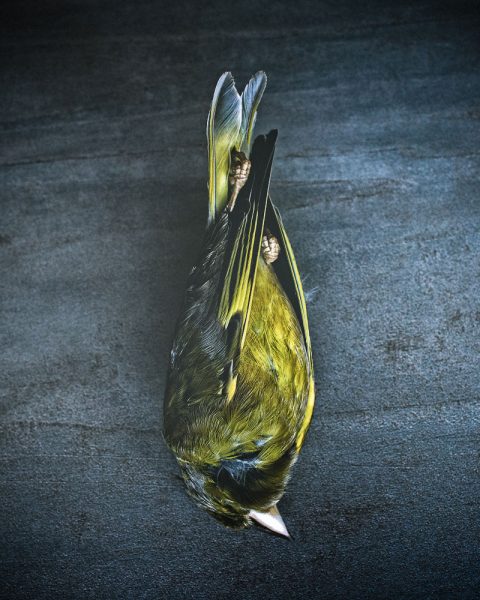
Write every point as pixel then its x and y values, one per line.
pixel 223 126
pixel 251 96
pixel 230 125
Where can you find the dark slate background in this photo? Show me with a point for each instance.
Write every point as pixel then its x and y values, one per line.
pixel 103 203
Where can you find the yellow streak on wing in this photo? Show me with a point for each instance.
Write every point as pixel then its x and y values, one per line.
pixel 308 415
pixel 231 388
pixel 241 299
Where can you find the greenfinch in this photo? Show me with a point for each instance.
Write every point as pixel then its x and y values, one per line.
pixel 240 389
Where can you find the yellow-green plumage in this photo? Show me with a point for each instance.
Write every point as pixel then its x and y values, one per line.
pixel 273 364
pixel 240 391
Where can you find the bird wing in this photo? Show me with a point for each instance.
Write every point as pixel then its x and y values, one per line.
pixel 287 272
pixel 229 125
pixel 248 222
pixel 239 282
pixel 211 331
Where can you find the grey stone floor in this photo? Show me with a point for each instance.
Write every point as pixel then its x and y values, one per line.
pixel 103 203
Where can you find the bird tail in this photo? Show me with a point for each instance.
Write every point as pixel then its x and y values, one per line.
pixel 230 125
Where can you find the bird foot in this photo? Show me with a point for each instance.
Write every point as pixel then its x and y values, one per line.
pixel 270 247
pixel 238 175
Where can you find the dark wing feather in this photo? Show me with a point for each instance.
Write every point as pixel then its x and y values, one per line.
pixel 239 282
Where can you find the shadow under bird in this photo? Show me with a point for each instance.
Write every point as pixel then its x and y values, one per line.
pixel 240 388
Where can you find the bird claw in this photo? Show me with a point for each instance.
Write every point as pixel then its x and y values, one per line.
pixel 238 175
pixel 270 248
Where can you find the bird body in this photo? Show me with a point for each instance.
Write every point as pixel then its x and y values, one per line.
pixel 240 390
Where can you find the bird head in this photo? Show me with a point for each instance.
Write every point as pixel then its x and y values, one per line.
pixel 242 488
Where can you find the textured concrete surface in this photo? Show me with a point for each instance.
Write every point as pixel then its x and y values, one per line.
pixel 103 202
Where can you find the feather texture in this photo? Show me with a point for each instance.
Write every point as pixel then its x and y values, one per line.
pixel 239 282
pixel 287 271
pixel 223 126
pixel 229 125
pixel 251 96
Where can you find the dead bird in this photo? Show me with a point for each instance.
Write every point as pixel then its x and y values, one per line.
pixel 240 390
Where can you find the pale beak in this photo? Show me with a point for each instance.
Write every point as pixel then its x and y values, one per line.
pixel 270 520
